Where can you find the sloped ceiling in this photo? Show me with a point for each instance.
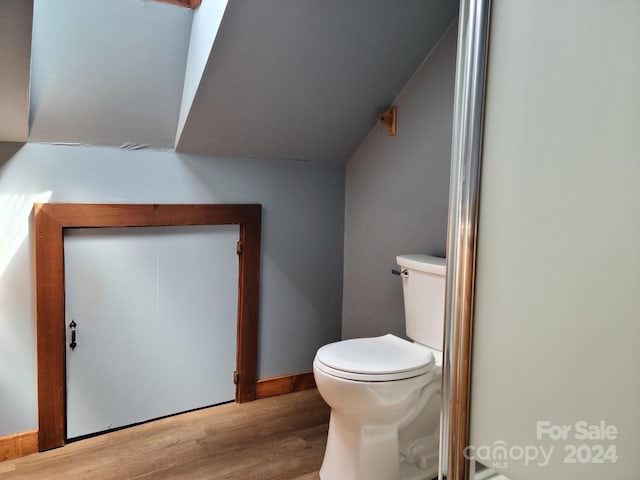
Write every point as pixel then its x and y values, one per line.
pixel 15 56
pixel 108 72
pixel 305 79
pixel 294 79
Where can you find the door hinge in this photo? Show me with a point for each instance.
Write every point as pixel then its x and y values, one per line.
pixel 238 247
pixel 236 377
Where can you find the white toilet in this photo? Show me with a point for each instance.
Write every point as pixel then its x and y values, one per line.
pixel 384 392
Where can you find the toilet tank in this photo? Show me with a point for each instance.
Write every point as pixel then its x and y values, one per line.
pixel 423 286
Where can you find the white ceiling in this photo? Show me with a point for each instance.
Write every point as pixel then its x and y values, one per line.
pixel 296 79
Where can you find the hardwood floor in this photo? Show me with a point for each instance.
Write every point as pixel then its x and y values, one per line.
pixel 277 438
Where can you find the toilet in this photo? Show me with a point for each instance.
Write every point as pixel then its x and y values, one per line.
pixel 384 392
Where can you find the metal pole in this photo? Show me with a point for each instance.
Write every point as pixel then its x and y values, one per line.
pixel 461 235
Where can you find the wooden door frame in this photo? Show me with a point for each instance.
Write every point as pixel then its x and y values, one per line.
pixel 50 221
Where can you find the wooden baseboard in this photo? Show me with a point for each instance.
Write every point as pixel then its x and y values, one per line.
pixel 18 445
pixel 270 387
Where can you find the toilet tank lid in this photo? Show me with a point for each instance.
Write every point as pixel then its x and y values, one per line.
pixel 422 263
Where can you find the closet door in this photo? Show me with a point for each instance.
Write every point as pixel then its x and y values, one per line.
pixel 154 312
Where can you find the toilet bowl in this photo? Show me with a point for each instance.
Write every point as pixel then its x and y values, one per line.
pixel 384 392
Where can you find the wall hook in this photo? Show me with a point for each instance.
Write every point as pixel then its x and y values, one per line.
pixel 390 119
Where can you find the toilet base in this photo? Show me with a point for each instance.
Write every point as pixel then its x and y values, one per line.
pixel 373 453
pixel 358 453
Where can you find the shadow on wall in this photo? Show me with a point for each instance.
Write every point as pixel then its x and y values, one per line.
pixel 312 252
pixel 398 195
pixel 8 150
pixel 302 270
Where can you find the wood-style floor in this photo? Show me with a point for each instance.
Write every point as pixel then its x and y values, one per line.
pixel 279 438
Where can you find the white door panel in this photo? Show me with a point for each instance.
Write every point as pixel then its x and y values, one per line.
pixel 114 306
pixel 191 377
pixel 156 314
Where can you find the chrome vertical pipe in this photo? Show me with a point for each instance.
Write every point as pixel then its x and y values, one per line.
pixel 466 153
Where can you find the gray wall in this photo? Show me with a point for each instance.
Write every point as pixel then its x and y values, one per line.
pixel 556 328
pixel 301 251
pixel 397 196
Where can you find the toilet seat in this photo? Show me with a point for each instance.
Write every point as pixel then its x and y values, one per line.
pixel 377 359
